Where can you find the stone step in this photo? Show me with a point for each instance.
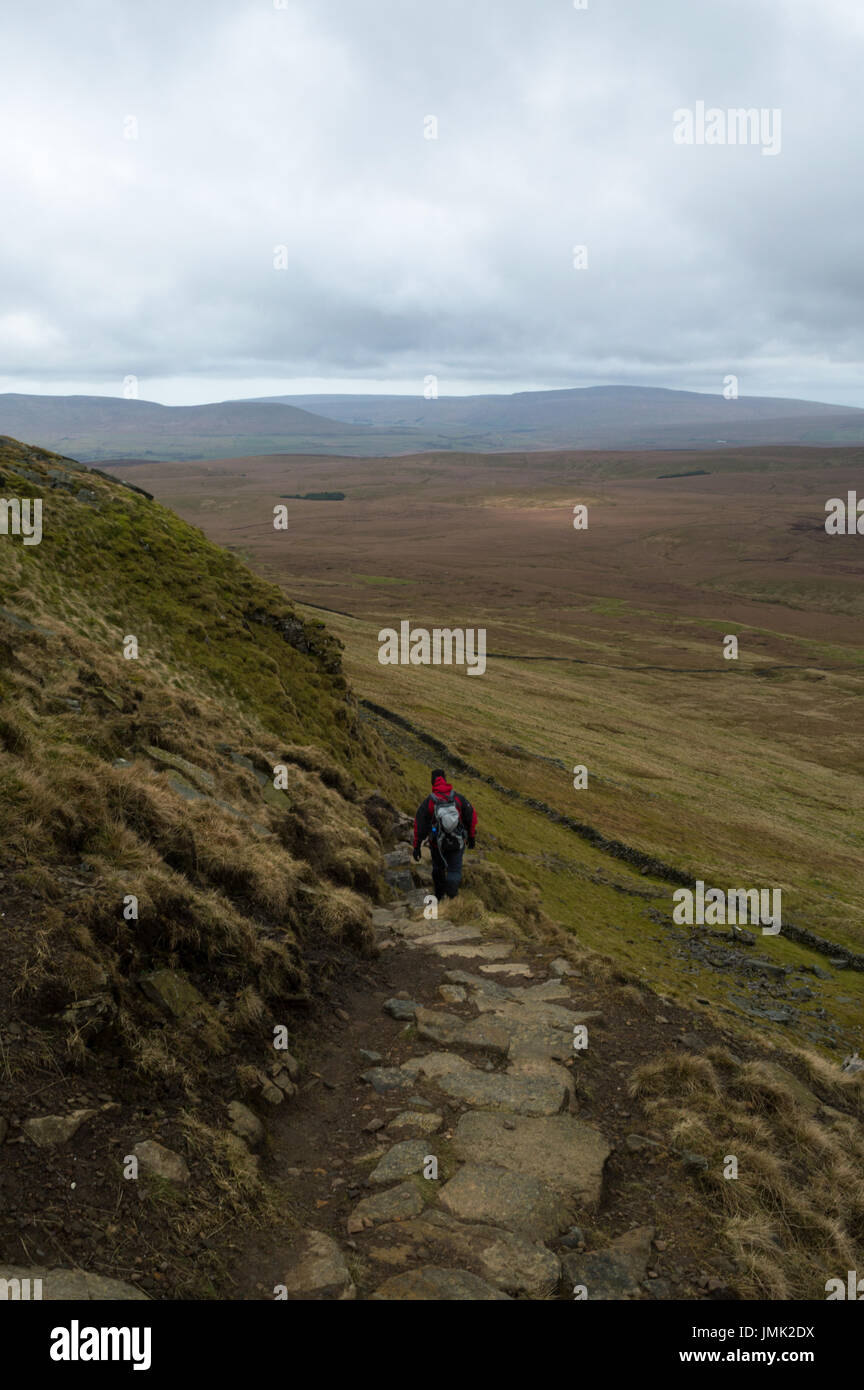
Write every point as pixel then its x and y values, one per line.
pixel 522 1093
pixel 492 950
pixel 396 1204
pixel 507 1261
pixel 434 1064
pixel 512 967
pixel 546 992
pixel 558 1149
pixel 443 936
pixel 472 1035
pixel 523 1204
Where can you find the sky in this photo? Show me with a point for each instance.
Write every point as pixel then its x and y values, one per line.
pixel 228 198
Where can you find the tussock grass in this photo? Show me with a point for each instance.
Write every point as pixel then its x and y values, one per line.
pixel 794 1216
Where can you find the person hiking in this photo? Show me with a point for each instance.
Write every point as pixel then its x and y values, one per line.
pixel 448 822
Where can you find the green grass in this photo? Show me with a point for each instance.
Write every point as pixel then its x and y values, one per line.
pixel 385 581
pixel 705 772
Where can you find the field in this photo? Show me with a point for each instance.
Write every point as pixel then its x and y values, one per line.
pixel 606 650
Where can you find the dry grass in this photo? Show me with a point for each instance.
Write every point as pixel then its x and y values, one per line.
pixel 794 1215
pixel 235 887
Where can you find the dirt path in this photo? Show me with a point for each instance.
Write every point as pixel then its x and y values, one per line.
pixel 464 1149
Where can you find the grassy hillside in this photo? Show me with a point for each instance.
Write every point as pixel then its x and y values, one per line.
pixel 164 905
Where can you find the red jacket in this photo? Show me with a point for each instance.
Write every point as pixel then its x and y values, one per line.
pixel 425 817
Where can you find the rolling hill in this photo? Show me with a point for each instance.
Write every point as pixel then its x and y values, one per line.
pixel 94 428
pixel 98 428
pixel 601 417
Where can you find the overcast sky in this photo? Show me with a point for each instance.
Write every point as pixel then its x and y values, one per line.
pixel 303 128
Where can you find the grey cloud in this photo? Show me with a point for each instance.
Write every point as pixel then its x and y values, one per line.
pixel 303 127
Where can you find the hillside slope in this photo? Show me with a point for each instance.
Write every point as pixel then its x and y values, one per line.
pixel 164 905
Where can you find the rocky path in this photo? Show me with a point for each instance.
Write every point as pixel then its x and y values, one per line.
pixel 478 1199
pixel 461 1158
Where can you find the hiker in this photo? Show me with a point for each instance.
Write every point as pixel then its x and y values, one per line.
pixel 448 822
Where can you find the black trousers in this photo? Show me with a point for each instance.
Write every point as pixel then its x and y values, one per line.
pixel 446 871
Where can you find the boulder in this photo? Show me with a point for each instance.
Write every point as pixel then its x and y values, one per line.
pixel 501 1258
pixel 440 936
pixel 492 950
pixel 509 967
pixel 400 879
pixel 204 781
pixel 398 856
pixel 403 1010
pixel 434 1065
pixel 290 1064
pixel 414 1123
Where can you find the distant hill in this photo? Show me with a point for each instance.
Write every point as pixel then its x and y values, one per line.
pixel 96 428
pixel 599 417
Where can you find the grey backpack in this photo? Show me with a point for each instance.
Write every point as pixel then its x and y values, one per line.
pixel 448 822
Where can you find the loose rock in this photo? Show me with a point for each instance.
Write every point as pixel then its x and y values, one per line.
pixel 397 1204
pixel 47 1130
pixel 161 1162
pixel 317 1270
pixel 245 1123
pixel 401 1161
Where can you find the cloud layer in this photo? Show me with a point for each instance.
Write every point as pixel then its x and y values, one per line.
pixel 255 128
